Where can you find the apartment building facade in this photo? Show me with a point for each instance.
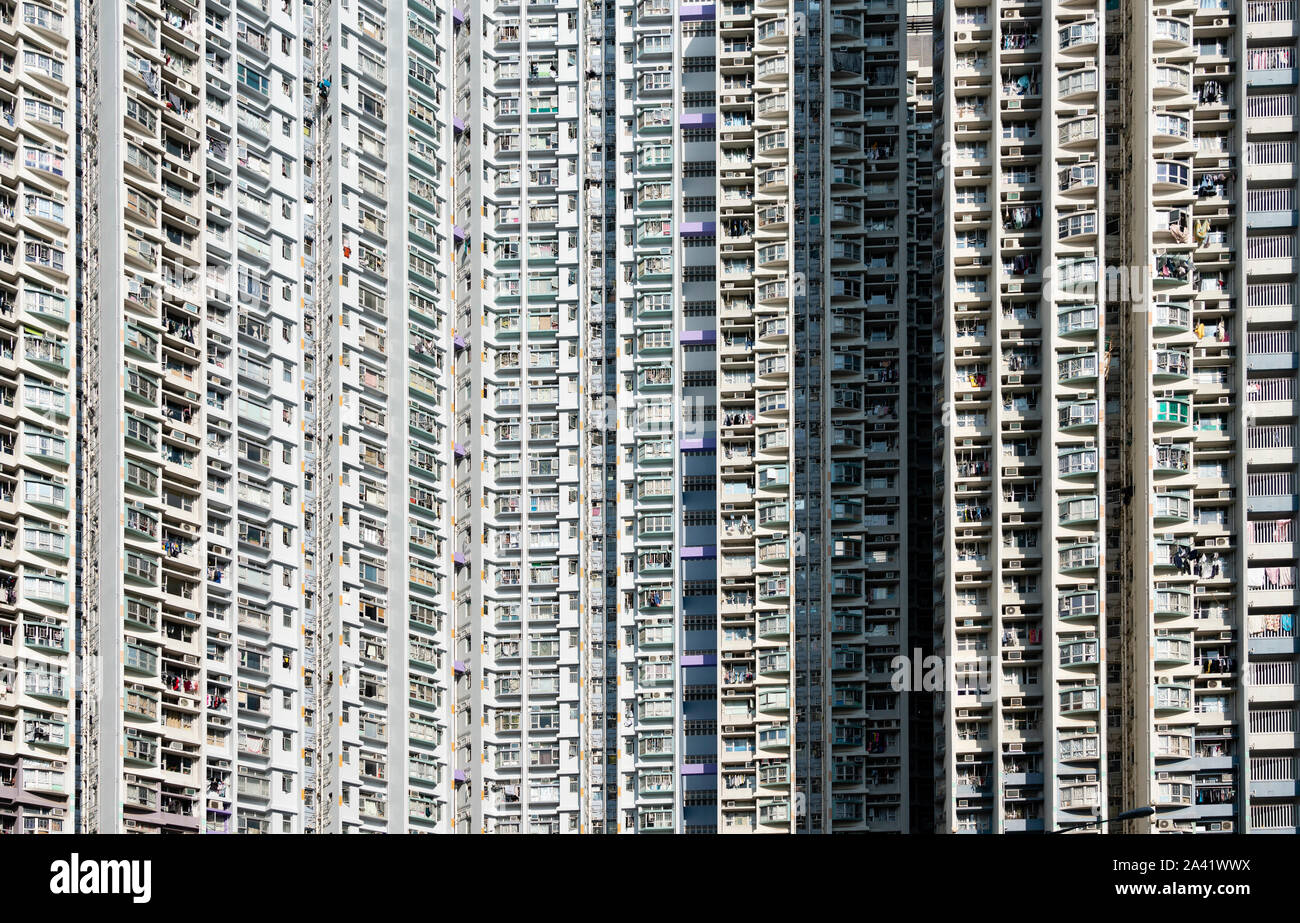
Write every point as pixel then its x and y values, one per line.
pixel 38 440
pixel 1020 364
pixel 517 210
pixel 196 236
pixel 1114 476
pixel 557 417
pixel 383 433
pixel 1211 635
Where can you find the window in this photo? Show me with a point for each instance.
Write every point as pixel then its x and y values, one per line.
pixel 1172 173
pixel 252 79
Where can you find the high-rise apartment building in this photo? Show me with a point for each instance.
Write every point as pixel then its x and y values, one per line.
pixel 1021 359
pixel 1210 424
pixel 517 513
pixel 39 449
pixel 382 447
pixel 196 192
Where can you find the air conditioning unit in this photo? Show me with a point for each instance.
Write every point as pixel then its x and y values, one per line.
pixel 1015 655
pixel 1214 684
pixel 1015 748
pixel 1162 776
pixel 1015 702
pixel 1164 823
pixel 1010 610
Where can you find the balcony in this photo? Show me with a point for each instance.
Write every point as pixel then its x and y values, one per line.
pixel 1271 67
pixel 1079 701
pixel 1171 34
pixel 1172 459
pixel 1171 697
pixel 1172 507
pixel 1078 559
pixel 1171 365
pixel 1078 416
pixel 655 821
pixel 653 598
pixel 1172 413
pixel 1171 318
pixel 1082 606
pixel 1079 462
pixel 1077 369
pixel 1171 82
pixel 655 745
pixel 1173 604
pixel 1173 269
